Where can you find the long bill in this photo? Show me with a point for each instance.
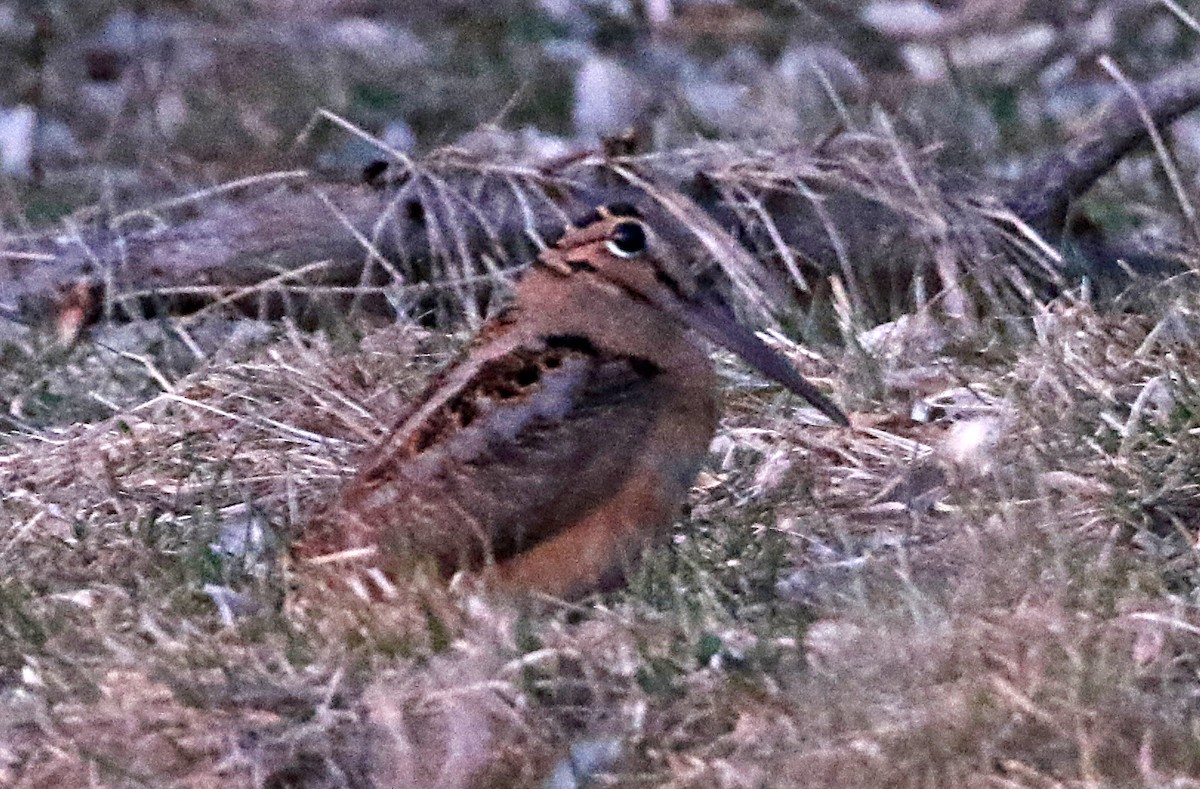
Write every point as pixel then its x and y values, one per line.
pixel 715 321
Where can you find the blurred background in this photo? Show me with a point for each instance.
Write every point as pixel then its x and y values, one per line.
pixel 121 101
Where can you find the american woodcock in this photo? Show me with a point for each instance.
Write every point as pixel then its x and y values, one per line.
pixel 563 441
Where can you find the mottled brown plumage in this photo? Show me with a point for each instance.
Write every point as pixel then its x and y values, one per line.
pixel 565 438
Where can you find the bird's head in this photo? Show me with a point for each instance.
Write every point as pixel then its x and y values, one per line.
pixel 615 253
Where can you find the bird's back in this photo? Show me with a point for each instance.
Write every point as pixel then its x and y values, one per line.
pixel 524 438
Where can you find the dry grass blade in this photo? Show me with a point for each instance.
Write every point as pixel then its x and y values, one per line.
pixel 1160 148
pixel 153 211
pixel 1182 15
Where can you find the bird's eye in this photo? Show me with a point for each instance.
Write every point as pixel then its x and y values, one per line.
pixel 627 240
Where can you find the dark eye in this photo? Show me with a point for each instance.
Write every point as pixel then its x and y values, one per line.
pixel 627 240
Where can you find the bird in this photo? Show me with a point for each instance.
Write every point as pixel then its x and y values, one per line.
pixel 562 441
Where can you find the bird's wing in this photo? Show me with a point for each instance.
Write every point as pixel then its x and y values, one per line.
pixel 506 452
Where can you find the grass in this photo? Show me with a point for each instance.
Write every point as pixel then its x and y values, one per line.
pixel 1036 627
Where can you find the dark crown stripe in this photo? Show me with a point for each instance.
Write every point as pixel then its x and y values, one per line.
pixel 623 209
pixel 590 218
pixel 552 238
pixel 600 213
